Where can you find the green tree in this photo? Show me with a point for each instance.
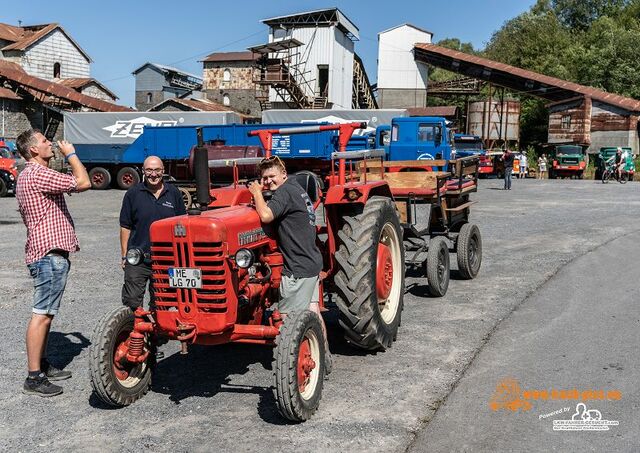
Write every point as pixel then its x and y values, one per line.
pixel 580 14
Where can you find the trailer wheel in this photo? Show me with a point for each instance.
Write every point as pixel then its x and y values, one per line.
pixel 4 190
pixel 469 251
pixel 370 276
pixel 116 381
pixel 438 266
pixel 100 178
pixel 127 177
pixel 187 199
pixel 299 365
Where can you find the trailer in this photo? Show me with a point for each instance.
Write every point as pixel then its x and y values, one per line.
pixel 108 143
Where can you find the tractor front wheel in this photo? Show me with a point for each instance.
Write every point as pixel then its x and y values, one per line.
pixel 115 380
pixel 299 365
pixel 370 277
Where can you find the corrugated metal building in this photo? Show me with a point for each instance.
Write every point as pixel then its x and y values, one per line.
pixel 157 82
pixel 402 81
pixel 325 55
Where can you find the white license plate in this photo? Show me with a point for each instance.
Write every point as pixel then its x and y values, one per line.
pixel 185 277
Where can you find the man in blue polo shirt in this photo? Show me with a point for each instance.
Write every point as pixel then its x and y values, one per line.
pixel 142 205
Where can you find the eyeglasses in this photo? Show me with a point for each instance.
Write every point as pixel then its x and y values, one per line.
pixel 152 171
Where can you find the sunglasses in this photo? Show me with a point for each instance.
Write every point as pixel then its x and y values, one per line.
pixel 271 159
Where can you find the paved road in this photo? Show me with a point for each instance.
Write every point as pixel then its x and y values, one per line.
pixel 580 330
pixel 220 398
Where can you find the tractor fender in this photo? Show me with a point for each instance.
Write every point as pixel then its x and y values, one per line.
pixel 356 193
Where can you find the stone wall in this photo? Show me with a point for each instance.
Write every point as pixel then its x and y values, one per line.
pixel 242 75
pixel 141 99
pixel 13 118
pixel 243 101
pixel 396 98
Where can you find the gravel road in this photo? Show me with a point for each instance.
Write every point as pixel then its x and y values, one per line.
pixel 220 398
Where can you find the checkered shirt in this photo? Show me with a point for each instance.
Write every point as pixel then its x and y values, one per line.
pixel 40 194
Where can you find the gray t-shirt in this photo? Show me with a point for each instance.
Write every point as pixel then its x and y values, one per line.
pixel 294 221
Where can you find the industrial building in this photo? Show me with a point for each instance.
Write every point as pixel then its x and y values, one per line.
pixel 402 80
pixel 156 83
pixel 43 72
pixel 578 114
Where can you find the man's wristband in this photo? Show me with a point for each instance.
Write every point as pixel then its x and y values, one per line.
pixel 69 155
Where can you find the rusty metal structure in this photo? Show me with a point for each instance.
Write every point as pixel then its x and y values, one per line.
pixel 578 114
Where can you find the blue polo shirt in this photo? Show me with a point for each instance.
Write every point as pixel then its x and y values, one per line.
pixel 140 209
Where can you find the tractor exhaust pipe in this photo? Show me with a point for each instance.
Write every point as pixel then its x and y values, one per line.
pixel 201 173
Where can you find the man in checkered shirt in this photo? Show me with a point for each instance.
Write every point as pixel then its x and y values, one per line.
pixel 50 238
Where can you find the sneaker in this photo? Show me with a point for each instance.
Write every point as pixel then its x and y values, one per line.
pixel 40 386
pixel 52 373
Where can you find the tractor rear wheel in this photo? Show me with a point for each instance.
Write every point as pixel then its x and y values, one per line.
pixel 370 275
pixel 299 365
pixel 187 198
pixel 469 251
pixel 438 266
pixel 116 381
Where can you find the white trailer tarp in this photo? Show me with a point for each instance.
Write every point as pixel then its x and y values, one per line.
pixel 373 118
pixel 125 127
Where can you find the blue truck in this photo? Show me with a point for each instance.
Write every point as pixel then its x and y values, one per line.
pixel 406 138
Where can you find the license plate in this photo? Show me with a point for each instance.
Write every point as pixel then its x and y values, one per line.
pixel 185 277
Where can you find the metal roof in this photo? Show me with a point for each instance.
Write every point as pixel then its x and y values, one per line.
pixel 231 56
pixel 16 76
pixel 165 69
pixel 317 18
pixel 407 24
pixel 518 79
pixel 276 46
pixel 24 37
pixel 81 82
pixel 6 93
pixel 441 110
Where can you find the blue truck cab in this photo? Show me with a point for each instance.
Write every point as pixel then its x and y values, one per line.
pixel 468 145
pixel 419 138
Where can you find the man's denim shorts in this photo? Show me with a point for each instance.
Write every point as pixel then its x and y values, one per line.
pixel 49 280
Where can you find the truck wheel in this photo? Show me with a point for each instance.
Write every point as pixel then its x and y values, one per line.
pixel 186 197
pixel 469 251
pixel 116 381
pixel 438 266
pixel 370 277
pixel 100 178
pixel 127 177
pixel 4 190
pixel 299 365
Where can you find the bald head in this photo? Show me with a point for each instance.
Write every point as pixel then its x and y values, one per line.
pixel 152 162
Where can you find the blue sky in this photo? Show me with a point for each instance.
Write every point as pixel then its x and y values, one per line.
pixel 122 35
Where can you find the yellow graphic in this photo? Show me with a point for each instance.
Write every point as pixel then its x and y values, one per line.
pixel 509 396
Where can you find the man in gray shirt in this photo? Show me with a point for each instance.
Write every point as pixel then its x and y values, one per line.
pixel 291 212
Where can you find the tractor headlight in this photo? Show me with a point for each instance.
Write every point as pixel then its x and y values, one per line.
pixel 244 258
pixel 135 256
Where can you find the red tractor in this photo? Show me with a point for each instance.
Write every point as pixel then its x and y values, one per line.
pixel 216 273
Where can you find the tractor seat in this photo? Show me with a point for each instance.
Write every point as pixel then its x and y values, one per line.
pixel 311 183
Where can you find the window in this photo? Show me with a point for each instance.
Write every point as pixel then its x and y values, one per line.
pixel 425 133
pixel 56 70
pixel 149 98
pixel 394 133
pixel 226 100
pixel 226 75
pixel 565 122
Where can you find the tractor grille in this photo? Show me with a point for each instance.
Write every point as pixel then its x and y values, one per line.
pixel 206 256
